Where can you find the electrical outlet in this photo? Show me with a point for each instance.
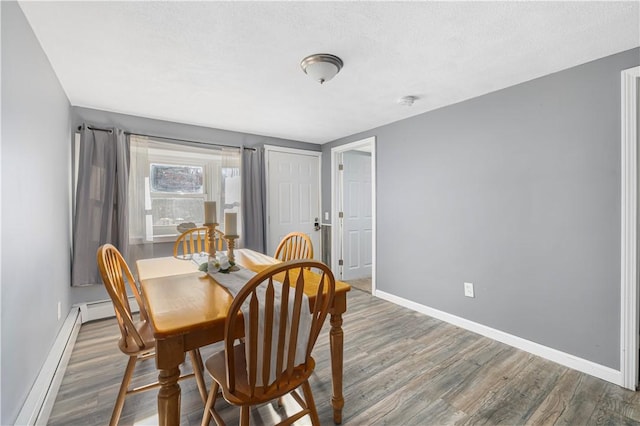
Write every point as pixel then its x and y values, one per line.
pixel 468 289
pixel 59 310
pixel 326 215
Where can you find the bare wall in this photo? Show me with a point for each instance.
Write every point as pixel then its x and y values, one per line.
pixel 36 158
pixel 518 192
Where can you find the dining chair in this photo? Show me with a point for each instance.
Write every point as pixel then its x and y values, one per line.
pixel 196 240
pixel 137 339
pixel 271 361
pixel 295 245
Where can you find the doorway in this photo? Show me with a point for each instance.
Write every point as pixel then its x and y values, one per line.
pixel 353 212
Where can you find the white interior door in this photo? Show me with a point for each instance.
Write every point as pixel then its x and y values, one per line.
pixel 293 196
pixel 357 223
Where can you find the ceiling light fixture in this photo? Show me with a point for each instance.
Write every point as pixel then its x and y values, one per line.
pixel 407 100
pixel 321 66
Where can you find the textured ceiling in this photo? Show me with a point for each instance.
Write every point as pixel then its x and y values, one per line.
pixel 235 65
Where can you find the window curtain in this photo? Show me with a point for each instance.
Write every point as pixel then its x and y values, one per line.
pixel 254 199
pixel 222 184
pixel 101 214
pixel 140 238
pixel 231 189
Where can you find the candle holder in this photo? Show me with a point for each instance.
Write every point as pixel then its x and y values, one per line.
pixel 231 243
pixel 211 235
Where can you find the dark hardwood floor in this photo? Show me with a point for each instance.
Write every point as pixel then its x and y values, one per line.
pixel 400 368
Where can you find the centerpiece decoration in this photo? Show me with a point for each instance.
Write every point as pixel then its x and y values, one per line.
pixel 217 263
pixel 231 235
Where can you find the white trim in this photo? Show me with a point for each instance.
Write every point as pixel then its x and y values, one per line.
pixel 629 229
pixel 568 360
pixel 335 151
pixel 39 402
pixel 1 340
pixel 292 150
pixel 335 246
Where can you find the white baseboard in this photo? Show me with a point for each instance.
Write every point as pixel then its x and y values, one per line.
pixel 37 407
pixel 568 360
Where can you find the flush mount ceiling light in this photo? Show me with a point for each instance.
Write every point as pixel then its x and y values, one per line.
pixel 321 66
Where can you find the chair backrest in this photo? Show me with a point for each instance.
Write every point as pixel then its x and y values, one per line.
pixel 295 245
pixel 279 341
pixel 115 275
pixel 196 240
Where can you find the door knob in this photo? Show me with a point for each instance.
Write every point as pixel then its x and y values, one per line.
pixel 316 224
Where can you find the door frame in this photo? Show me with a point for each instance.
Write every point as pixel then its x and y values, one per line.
pixel 336 193
pixel 268 149
pixel 629 293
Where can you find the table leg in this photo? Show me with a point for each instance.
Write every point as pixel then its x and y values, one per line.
pixel 336 337
pixel 169 397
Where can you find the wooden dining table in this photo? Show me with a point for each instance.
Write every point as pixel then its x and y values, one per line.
pixel 188 308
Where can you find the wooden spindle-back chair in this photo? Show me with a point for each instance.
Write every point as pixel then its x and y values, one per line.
pixel 244 379
pixel 196 240
pixel 295 245
pixel 136 339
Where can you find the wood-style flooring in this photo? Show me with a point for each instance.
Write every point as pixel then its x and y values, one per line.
pixel 363 284
pixel 400 368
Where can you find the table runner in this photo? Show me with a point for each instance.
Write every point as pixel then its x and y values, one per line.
pixel 233 282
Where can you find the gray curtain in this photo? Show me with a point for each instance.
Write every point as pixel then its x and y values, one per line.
pixel 101 214
pixel 253 199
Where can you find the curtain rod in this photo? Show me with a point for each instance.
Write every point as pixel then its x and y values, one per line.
pixel 182 140
pixel 96 128
pixel 168 138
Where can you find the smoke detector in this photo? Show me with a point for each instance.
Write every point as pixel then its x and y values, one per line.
pixel 407 100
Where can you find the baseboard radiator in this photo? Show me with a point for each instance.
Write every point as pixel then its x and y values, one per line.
pixel 37 407
pixel 92 311
pixel 39 403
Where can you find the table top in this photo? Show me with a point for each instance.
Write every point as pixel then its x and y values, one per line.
pixel 180 299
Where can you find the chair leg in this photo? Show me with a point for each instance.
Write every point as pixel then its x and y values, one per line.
pixel 244 415
pixel 196 362
pixel 211 400
pixel 122 393
pixel 200 363
pixel 311 405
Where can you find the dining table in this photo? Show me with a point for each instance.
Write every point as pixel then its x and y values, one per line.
pixel 187 309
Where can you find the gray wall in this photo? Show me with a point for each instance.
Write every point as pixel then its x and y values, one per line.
pixel 36 156
pixel 171 130
pixel 518 192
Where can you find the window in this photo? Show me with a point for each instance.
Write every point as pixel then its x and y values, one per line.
pixel 177 196
pixel 170 182
pixel 175 178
